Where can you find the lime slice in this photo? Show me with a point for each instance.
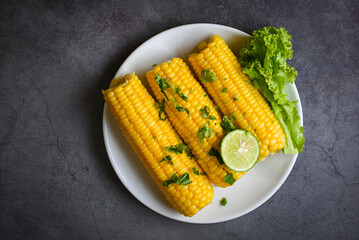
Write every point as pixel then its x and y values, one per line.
pixel 240 150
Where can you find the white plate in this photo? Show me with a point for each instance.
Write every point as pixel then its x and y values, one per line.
pixel 249 192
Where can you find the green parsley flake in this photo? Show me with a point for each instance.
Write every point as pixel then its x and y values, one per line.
pixel 206 95
pixel 191 90
pixel 205 113
pixel 216 108
pixel 236 98
pixel 213 152
pixel 225 79
pixel 204 132
pixel 244 114
pixel 227 124
pixel 207 76
pixel 215 46
pixel 168 159
pixel 234 117
pixel 223 201
pixel 224 90
pixel 154 137
pixel 163 84
pixel 179 107
pixel 229 179
pixel 177 90
pixel 154 65
pixel 178 148
pixel 182 180
pixel 161 108
pixel 195 171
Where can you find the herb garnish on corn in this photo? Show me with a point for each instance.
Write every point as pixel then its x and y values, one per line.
pixel 200 127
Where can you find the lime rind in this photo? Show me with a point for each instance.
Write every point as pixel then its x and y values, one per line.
pixel 240 150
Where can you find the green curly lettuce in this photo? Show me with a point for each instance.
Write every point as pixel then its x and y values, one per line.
pixel 264 60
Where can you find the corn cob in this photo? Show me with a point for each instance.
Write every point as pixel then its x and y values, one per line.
pixel 235 96
pixel 135 112
pixel 184 93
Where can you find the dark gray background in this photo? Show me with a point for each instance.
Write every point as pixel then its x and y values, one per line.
pixel 56 181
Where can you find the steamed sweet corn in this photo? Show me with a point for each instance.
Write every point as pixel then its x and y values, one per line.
pixel 193 115
pixel 221 75
pixel 151 138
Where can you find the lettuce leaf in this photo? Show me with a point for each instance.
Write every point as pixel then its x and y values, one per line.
pixel 264 60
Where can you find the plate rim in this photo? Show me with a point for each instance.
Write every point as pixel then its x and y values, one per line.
pixel 190 220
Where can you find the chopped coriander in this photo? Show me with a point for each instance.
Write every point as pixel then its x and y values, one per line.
pixel 227 124
pixel 216 108
pixel 168 159
pixel 154 137
pixel 205 113
pixel 234 117
pixel 191 90
pixel 178 148
pixel 229 179
pixel 163 84
pixel 189 154
pixel 154 65
pixel 215 46
pixel 177 90
pixel 179 107
pixel 213 152
pixel 204 132
pixel 207 76
pixel 161 108
pixel 168 182
pixel 206 95
pixel 224 90
pixel 272 122
pixel 195 171
pixel 244 114
pixel 236 97
pixel 182 180
pixel 217 133
pixel 225 79
pixel 223 201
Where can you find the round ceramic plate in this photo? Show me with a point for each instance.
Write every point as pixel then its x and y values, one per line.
pixel 252 190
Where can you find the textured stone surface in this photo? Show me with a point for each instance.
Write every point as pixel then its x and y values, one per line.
pixel 56 181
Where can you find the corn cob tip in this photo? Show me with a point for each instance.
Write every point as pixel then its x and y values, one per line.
pixel 123 81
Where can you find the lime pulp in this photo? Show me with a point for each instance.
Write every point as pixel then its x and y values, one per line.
pixel 240 150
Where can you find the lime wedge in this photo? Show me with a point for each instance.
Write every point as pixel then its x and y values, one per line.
pixel 240 150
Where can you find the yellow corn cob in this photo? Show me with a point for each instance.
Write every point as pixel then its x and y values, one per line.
pixel 188 125
pixel 135 112
pixel 239 99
